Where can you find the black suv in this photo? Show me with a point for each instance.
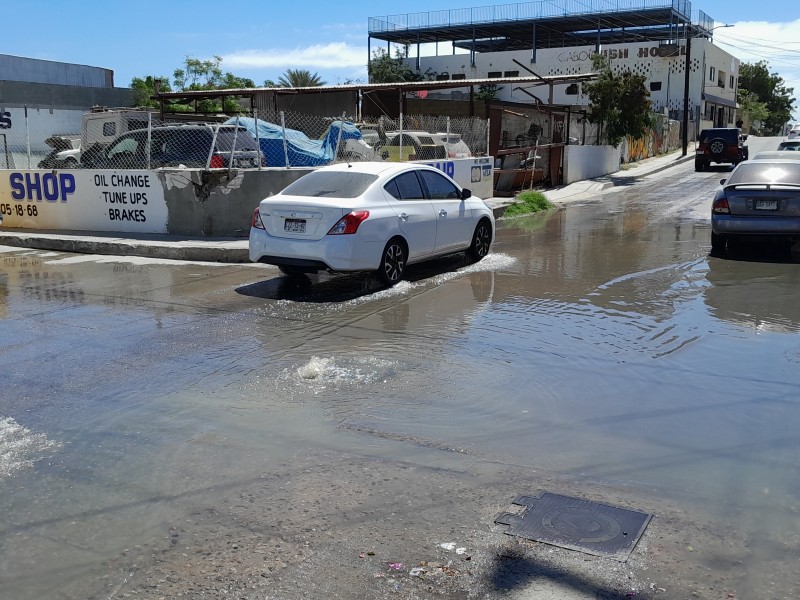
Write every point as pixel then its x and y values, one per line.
pixel 187 146
pixel 722 145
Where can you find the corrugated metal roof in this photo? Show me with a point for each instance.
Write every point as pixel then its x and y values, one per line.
pixel 368 87
pixel 34 70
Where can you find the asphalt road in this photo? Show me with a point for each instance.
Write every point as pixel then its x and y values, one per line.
pixel 214 430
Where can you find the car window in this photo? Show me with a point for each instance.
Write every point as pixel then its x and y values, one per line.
pixel 426 140
pixel 786 172
pixel 405 186
pixel 243 140
pixel 439 187
pixel 129 144
pixel 331 184
pixel 187 142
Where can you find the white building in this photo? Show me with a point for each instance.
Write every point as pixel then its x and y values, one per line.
pixel 536 38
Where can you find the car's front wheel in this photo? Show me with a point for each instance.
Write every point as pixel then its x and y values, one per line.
pixel 481 241
pixel 393 262
pixel 719 244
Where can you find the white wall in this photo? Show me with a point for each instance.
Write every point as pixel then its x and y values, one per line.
pixel 586 162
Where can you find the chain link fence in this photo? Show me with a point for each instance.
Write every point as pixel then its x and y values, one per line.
pixel 139 139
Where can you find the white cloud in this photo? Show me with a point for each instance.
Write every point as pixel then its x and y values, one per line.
pixel 318 56
pixel 776 43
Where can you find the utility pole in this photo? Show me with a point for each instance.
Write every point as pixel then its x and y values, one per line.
pixel 686 91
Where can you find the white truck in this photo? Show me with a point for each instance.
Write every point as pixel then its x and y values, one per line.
pixel 99 127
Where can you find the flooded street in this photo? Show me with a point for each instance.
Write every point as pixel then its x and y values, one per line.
pixel 217 430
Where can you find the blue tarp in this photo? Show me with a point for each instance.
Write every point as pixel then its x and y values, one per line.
pixel 302 151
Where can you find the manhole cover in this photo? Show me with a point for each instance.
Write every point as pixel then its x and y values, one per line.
pixel 577 524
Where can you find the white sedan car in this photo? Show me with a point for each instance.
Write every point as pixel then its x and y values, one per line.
pixel 370 216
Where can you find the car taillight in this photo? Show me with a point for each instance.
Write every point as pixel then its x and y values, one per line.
pixel 217 162
pixel 349 223
pixel 256 222
pixel 720 206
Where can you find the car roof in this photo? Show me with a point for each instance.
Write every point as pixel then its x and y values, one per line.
pixel 375 167
pixel 792 155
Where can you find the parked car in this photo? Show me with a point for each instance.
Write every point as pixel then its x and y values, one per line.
pixel 370 216
pixel 794 133
pixel 760 198
pixel 413 145
pixel 789 145
pixel 766 154
pixel 65 152
pixel 187 146
pixel 720 145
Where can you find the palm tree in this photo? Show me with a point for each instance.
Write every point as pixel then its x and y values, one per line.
pixel 299 78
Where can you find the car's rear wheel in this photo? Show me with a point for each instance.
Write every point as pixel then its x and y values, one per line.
pixel 481 241
pixel 719 243
pixel 393 262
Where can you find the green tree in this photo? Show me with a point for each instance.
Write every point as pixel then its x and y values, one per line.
pixel 145 88
pixel 385 69
pixel 769 89
pixel 750 105
pixel 199 74
pixel 298 78
pixel 487 91
pixel 618 102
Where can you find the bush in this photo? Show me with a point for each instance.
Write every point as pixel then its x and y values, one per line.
pixel 528 202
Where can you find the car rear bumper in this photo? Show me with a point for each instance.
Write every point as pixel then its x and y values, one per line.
pixel 765 226
pixel 332 252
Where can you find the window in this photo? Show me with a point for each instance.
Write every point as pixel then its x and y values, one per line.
pixel 712 74
pixel 439 188
pixel 511 74
pixel 655 86
pixel 403 187
pixel 109 129
pixel 732 82
pixel 442 76
pixel 340 184
pixel 721 77
pixel 459 76
pixel 495 74
pixel 572 89
pixel 126 145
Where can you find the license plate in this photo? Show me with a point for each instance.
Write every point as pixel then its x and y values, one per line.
pixel 295 225
pixel 766 205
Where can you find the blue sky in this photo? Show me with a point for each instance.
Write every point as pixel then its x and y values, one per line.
pixel 264 39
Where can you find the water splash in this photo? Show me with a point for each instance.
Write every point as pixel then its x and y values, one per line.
pixel 20 448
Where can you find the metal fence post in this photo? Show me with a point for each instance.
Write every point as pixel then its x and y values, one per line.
pixel 339 138
pixel 258 139
pixel 401 138
pixel 149 138
pixel 28 136
pixel 488 123
pixel 285 146
pixel 214 131
pixel 233 146
pixel 447 139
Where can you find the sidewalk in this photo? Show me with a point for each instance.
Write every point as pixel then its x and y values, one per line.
pixel 235 250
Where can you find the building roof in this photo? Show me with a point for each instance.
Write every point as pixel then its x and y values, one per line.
pixel 544 24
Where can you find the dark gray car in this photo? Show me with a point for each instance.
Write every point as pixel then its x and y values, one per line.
pixel 761 198
pixel 181 146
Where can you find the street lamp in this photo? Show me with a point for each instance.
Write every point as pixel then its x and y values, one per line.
pixel 686 86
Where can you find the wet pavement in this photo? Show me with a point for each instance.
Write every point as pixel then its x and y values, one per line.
pixel 216 430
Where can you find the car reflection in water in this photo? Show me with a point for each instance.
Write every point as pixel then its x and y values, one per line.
pixel 754 295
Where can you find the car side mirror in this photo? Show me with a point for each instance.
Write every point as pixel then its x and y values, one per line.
pixel 722 181
pixel 466 193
